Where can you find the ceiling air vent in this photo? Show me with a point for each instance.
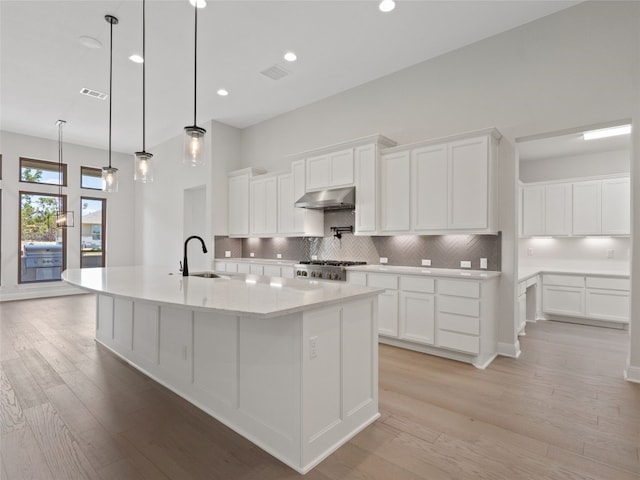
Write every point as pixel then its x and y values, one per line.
pixel 275 73
pixel 93 93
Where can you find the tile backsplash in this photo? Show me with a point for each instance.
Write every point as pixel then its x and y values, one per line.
pixel 444 251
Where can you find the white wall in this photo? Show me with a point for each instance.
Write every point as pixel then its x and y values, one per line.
pixel 563 71
pixel 120 216
pixel 159 235
pixel 592 165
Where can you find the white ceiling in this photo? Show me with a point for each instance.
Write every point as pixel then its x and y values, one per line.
pixel 340 44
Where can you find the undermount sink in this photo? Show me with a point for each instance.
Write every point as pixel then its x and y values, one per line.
pixel 207 275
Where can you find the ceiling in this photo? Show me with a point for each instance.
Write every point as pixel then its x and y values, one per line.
pixel 340 44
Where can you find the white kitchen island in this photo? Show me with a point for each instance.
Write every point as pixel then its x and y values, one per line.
pixel 292 365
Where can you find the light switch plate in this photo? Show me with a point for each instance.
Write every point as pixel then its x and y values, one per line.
pixel 278 255
pixel 483 263
pixel 384 260
pixel 426 262
pixel 227 253
pixel 465 264
pixel 314 257
pixel 252 254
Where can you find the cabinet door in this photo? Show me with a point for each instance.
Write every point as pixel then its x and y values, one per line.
pixel 341 168
pixel 388 313
pixel 616 206
pixel 244 267
pixel 522 313
pixel 563 300
pixel 607 305
pixel 533 210
pixel 366 189
pixel 417 317
pixel 396 184
pixel 285 204
pixel 256 269
pixel 271 270
pixel 429 188
pixel 468 204
pixel 587 208
pixel 239 205
pixel 264 206
pixel 557 217
pixel 299 189
pixel 318 172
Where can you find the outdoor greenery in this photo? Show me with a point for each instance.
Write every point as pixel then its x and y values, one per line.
pixel 38 213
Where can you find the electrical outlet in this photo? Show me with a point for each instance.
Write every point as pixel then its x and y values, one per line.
pixel 529 252
pixel 611 253
pixel 483 263
pixel 426 262
pixel 227 253
pixel 278 255
pixel 252 254
pixel 313 347
pixel 384 260
pixel 465 264
pixel 314 257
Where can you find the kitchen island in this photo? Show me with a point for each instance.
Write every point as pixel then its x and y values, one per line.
pixel 292 365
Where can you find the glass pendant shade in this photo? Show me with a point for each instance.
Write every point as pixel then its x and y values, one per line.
pixel 64 219
pixel 194 146
pixel 143 167
pixel 109 179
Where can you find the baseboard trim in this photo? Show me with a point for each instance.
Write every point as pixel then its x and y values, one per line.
pixel 632 374
pixel 509 349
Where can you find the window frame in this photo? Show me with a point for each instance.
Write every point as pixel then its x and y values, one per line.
pixel 104 228
pixel 82 175
pixel 64 236
pixel 44 163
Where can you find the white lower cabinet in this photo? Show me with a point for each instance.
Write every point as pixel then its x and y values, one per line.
pixel 447 317
pixel 255 268
pixel 589 297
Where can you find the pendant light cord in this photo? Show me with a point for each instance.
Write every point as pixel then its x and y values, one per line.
pixel 144 63
pixel 110 82
pixel 195 63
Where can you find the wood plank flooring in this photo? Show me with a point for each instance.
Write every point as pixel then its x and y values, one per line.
pixel 69 409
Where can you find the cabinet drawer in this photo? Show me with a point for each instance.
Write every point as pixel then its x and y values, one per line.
pixel 357 278
pixel 271 271
pixel 564 280
pixel 459 341
pixel 231 267
pixel 382 280
pixel 608 305
pixel 609 283
pixel 417 284
pixel 244 268
pixel 459 306
pixel 459 288
pixel 459 323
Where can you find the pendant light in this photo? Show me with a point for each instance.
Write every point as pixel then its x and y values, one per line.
pixel 110 174
pixel 194 135
pixel 64 218
pixel 143 160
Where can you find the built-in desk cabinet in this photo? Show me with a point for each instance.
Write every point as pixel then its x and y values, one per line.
pixel 450 317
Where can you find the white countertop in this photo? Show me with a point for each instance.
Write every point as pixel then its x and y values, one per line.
pixel 275 261
pixel 426 271
pixel 236 294
pixel 528 272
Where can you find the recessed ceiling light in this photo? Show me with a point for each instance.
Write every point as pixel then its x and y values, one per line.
pixel 201 3
pixel 607 132
pixel 387 5
pixel 222 92
pixel 90 42
pixel 135 58
pixel 290 57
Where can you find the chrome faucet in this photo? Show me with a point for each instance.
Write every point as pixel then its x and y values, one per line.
pixel 185 266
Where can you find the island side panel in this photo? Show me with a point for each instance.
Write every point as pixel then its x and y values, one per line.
pixel 340 376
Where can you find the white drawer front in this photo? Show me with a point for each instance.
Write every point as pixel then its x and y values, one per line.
pixel 417 284
pixel 381 280
pixel 459 341
pixel 564 280
pixel 244 268
pixel 256 269
pixel 272 271
pixel 608 305
pixel 609 283
pixel 357 278
pixel 459 306
pixel 460 288
pixel 459 323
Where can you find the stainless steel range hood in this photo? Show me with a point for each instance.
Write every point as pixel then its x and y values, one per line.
pixel 331 199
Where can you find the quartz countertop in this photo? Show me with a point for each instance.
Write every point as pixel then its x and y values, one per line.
pixel 234 294
pixel 275 261
pixel 426 271
pixel 528 272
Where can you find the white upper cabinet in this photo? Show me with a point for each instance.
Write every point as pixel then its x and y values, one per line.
pixel 587 204
pixel 264 206
pixel 294 221
pixel 469 184
pixel 533 210
pixel 366 176
pixel 616 206
pixel 546 210
pixel 286 199
pixel 330 170
pixel 429 188
pixel 395 173
pixel 238 201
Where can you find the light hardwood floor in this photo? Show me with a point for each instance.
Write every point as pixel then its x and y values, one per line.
pixel 69 409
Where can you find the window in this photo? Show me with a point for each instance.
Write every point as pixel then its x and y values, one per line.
pixel 41 171
pixel 91 178
pixel 93 232
pixel 42 245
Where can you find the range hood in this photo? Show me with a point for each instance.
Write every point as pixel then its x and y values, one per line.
pixel 331 199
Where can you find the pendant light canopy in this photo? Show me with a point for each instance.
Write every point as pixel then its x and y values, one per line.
pixel 193 135
pixel 64 218
pixel 110 174
pixel 143 160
